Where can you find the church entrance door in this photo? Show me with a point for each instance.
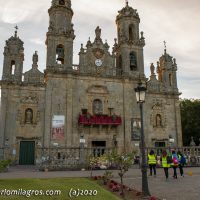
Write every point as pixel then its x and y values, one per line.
pixel 27 153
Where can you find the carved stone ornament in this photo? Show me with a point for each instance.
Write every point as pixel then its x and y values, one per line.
pixel 98 89
pixel 30 100
pixel 19 117
pixel 98 53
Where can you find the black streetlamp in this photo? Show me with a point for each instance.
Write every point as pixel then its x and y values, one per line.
pixel 140 96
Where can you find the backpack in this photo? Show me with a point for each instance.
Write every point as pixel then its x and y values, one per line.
pixel 175 160
pixel 169 159
pixel 183 160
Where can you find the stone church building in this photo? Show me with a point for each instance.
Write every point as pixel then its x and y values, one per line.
pixel 94 102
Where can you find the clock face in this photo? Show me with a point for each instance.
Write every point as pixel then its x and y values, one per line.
pixel 98 62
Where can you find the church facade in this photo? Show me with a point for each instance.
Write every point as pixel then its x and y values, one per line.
pixel 93 102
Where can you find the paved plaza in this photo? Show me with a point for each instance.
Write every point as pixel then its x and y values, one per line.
pixel 183 188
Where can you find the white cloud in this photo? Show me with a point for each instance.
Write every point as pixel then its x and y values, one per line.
pixel 37 41
pixel 16 11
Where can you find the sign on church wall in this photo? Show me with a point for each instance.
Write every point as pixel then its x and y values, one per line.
pixel 58 123
pixel 135 129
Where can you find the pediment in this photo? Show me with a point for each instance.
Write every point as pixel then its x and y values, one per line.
pixel 98 89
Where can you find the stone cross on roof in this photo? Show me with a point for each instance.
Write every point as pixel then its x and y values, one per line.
pixel 16 28
pixel 165 46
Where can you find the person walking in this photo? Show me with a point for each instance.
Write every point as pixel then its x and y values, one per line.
pixel 174 163
pixel 152 162
pixel 181 162
pixel 165 158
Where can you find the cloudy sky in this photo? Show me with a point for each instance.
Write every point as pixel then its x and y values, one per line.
pixel 176 21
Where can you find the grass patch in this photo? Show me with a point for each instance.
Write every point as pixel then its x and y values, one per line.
pixel 61 184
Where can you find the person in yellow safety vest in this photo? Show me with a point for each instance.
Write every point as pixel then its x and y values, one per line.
pixel 152 162
pixel 165 164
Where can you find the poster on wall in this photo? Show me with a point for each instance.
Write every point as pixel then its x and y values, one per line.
pixel 135 129
pixel 58 123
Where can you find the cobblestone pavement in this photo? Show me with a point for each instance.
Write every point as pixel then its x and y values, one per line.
pixel 184 188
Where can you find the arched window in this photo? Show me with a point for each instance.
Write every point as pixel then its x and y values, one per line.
pixel 60 54
pixel 158 120
pixel 133 61
pixel 97 107
pixel 29 116
pixel 12 68
pixel 62 2
pixel 131 32
pixel 170 79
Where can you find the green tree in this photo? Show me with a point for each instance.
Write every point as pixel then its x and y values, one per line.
pixel 123 162
pixel 190 117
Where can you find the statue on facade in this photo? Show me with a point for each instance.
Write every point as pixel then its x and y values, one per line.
pixel 98 33
pixel 35 58
pixel 29 116
pixel 152 68
pixel 158 120
pixel 97 107
pixel 192 143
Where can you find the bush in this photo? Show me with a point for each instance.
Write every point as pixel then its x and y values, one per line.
pixel 4 164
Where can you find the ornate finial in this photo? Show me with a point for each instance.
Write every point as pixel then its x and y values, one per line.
pixel 158 64
pixel 82 49
pixel 115 40
pixel 126 2
pixel 89 44
pixel 16 28
pixel 165 46
pixel 174 61
pixel 142 35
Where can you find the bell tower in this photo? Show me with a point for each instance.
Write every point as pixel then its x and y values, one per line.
pixel 13 59
pixel 167 71
pixel 129 52
pixel 60 36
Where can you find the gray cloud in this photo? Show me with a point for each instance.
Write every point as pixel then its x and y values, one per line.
pixel 177 22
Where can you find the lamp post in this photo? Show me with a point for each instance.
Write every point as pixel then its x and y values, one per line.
pixel 140 96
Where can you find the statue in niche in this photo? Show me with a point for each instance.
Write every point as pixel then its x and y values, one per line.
pixel 97 107
pixel 158 120
pixel 29 116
